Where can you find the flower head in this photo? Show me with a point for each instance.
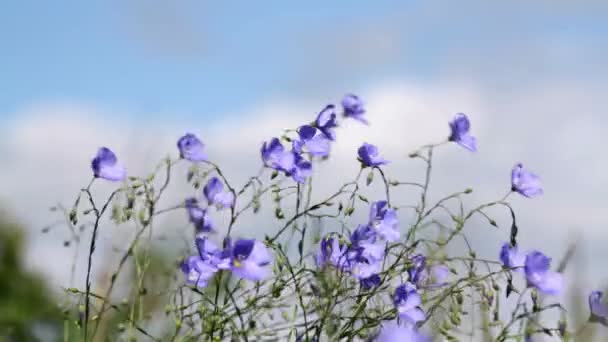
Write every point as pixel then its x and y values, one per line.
pixel 407 301
pixel 301 170
pixel 105 165
pixel 511 257
pixel 197 271
pixel 311 142
pixel 326 121
pixel 539 275
pixel 524 182
pixel 459 134
pixel 250 259
pixel 198 216
pixel 213 255
pixel 371 281
pixel 393 332
pixel 598 308
pixel 275 156
pixel 331 252
pixel 417 270
pixel 384 221
pixel 215 194
pixel 353 108
pixel 368 155
pixel 191 148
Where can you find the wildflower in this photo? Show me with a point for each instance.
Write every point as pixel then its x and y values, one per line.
pixel 384 221
pixel 275 156
pixel 353 108
pixel 368 156
pixel 407 301
pixel 197 271
pixel 511 257
pixel 326 121
pixel 460 127
pixel 313 143
pixel 332 252
pixel 191 148
pixel 105 165
pixel 250 259
pixel 210 253
pixel 599 309
pixel 525 183
pixel 198 216
pixel 539 275
pixel 371 281
pixel 215 194
pixel 302 169
pixel 417 270
pixel 391 331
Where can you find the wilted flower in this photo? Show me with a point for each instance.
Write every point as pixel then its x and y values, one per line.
pixel 353 108
pixel 311 142
pixel 191 148
pixel 511 257
pixel 198 216
pixel 384 221
pixel 250 259
pixel 105 165
pixel 525 183
pixel 326 121
pixel 368 155
pixel 215 194
pixel 539 275
pixel 598 308
pixel 393 332
pixel 460 127
pixel 407 301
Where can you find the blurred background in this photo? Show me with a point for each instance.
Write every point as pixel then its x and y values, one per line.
pixel 135 75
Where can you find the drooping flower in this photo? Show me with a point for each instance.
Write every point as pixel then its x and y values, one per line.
pixel 191 148
pixel 511 257
pixel 598 308
pixel 539 275
pixel 198 216
pixel 198 272
pixel 384 221
pixel 368 155
pixel 407 302
pixel 215 194
pixel 251 259
pixel 393 332
pixel 331 252
pixel 105 165
pixel 311 142
pixel 275 156
pixel 524 182
pixel 459 134
pixel 326 121
pixel 353 108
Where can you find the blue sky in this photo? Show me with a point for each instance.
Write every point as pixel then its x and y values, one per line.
pixel 204 60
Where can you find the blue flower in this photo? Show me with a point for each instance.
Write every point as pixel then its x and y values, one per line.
pixel 251 260
pixel 276 157
pixel 460 127
pixel 311 142
pixel 326 121
pixel 213 255
pixel 539 275
pixel 105 165
pixel 353 108
pixel 416 271
pixel 197 271
pixel 371 281
pixel 524 182
pixel 407 302
pixel 215 194
pixel 368 155
pixel 301 170
pixel 198 216
pixel 384 221
pixel 393 332
pixel 331 252
pixel 598 308
pixel 511 257
pixel 191 148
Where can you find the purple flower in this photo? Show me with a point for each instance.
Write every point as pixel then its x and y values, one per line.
pixel 368 155
pixel 215 194
pixel 422 275
pixel 198 216
pixel 191 148
pixel 326 121
pixel 539 275
pixel 301 170
pixel 313 143
pixel 365 260
pixel 417 270
pixel 384 221
pixel 250 260
pixel 353 108
pixel 511 257
pixel 212 254
pixel 275 156
pixel 197 271
pixel 407 301
pixel 599 309
pixel 525 183
pixel 371 281
pixel 460 127
pixel 332 252
pixel 363 234
pixel 393 332
pixel 105 165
